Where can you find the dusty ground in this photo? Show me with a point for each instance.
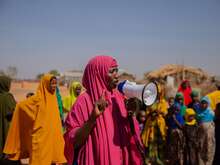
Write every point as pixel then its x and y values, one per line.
pixel 20 89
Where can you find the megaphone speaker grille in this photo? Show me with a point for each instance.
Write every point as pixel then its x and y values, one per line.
pixel 149 94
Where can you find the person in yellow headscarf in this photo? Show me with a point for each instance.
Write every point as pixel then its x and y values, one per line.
pixel 214 97
pixel 154 133
pixel 191 137
pixel 74 91
pixel 36 130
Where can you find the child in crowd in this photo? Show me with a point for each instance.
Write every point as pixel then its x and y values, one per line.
pixel 195 104
pixel 191 138
pixel 175 139
pixel 141 118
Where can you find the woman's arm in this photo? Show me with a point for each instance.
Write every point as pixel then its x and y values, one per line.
pixel 83 132
pixel 176 121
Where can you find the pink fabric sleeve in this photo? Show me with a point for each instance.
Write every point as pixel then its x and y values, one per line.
pixel 73 122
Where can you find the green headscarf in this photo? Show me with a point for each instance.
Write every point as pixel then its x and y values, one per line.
pixel 5 83
pixel 182 106
pixel 194 94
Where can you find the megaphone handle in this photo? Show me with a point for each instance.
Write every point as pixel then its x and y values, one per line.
pixel 139 147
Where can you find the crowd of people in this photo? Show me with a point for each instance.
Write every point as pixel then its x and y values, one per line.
pixel 97 125
pixel 181 130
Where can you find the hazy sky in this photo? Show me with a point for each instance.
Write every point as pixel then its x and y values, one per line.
pixel 39 35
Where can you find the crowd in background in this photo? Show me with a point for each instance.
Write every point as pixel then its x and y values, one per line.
pixel 179 130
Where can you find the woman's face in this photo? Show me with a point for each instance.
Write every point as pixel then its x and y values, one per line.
pixel 78 90
pixel 195 98
pixel 142 116
pixel 113 78
pixel 204 105
pixel 191 118
pixel 185 84
pixel 180 100
pixel 171 101
pixel 53 85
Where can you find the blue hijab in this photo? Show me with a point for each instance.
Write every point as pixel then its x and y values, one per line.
pixel 205 115
pixel 170 121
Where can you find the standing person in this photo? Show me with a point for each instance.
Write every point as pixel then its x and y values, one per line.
pixel 141 118
pixel 191 138
pixel 7 106
pixel 175 138
pixel 217 135
pixel 179 101
pixel 171 101
pixel 154 133
pixel 205 117
pixel 214 96
pixel 98 128
pixel 195 104
pixel 186 90
pixel 36 131
pixel 75 90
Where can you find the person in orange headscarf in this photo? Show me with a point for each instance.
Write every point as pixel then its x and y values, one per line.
pixel 36 130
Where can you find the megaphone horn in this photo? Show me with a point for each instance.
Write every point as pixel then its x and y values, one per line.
pixel 147 93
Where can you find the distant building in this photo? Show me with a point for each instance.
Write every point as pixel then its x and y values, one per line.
pixel 69 76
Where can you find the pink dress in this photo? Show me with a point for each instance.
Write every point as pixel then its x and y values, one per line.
pixel 111 141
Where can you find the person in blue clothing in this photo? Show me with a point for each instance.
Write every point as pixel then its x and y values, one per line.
pixel 206 133
pixel 179 100
pixel 175 138
pixel 195 104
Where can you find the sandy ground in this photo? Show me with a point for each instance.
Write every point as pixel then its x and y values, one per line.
pixel 19 90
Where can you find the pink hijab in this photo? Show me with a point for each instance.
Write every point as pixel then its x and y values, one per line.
pixel 110 142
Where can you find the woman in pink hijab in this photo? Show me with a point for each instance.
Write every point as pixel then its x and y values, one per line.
pixel 98 128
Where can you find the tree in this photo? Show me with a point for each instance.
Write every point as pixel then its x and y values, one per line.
pixel 54 72
pixel 12 72
pixel 2 73
pixel 39 76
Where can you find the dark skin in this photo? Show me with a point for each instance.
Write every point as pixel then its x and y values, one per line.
pixel 217 111
pixel 141 116
pixel 185 85
pixel 191 118
pixel 171 101
pixel 99 107
pixel 179 100
pixel 29 94
pixel 132 105
pixel 78 90
pixel 195 99
pixel 52 85
pixel 204 105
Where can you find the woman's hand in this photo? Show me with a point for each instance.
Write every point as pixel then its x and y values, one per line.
pixel 100 106
pixel 132 105
pixel 83 133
